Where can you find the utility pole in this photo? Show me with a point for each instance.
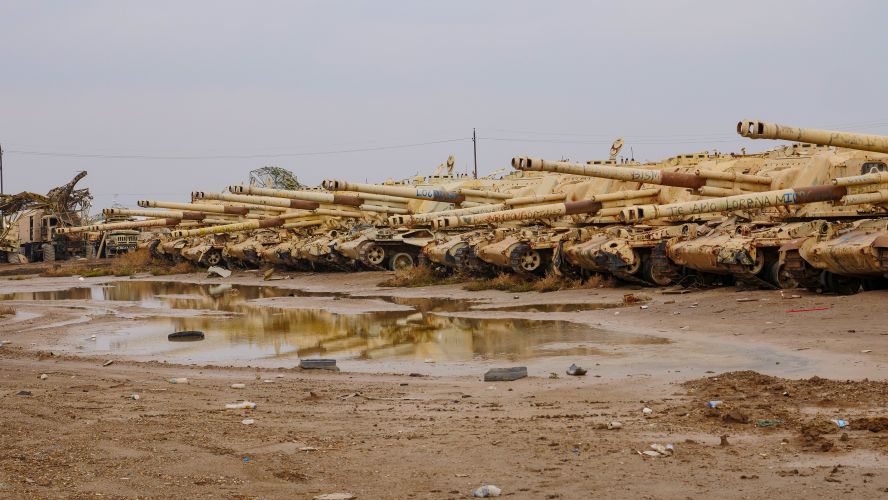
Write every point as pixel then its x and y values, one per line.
pixel 2 219
pixel 474 147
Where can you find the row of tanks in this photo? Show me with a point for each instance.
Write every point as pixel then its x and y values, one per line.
pixel 810 213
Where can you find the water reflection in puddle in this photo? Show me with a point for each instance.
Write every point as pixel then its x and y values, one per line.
pixel 247 330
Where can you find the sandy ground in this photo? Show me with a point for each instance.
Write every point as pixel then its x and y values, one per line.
pixel 375 431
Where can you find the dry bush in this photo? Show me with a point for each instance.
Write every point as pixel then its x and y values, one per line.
pixel 419 276
pixel 504 282
pixel 550 283
pixel 183 267
pixel 85 271
pixel 60 272
pixel 599 281
pixel 6 311
pixel 128 264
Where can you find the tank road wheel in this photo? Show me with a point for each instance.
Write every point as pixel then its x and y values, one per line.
pixel 213 258
pixel 655 274
pixel 636 265
pixel 374 255
pixel 401 261
pixel 759 265
pixel 525 260
pixel 780 277
pixel 842 285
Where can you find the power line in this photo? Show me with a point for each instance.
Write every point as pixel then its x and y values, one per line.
pixel 226 157
pixel 559 141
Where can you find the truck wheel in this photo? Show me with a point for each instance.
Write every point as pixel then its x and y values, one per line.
pixel 401 261
pixel 48 253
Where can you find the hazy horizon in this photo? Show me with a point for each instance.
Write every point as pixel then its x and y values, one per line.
pixel 302 85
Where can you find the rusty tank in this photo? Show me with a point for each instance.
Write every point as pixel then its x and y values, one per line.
pixel 842 255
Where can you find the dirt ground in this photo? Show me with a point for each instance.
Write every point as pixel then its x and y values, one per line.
pixel 782 367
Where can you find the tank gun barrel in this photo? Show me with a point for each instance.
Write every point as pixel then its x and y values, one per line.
pixel 754 129
pixel 317 197
pixel 411 220
pixel 269 222
pixel 264 201
pixel 157 214
pixel 592 206
pixel 118 225
pixel 751 201
pixel 698 181
pixel 195 207
pixel 416 193
pixel 320 197
pixel 859 180
pixel 286 202
pixel 230 228
pixel 510 203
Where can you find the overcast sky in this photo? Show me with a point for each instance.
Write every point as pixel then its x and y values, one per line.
pixel 549 79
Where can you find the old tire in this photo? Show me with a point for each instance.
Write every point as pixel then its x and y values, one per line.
pixel 48 253
pixel 401 261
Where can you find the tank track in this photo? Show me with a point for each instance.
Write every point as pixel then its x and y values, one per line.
pixel 660 261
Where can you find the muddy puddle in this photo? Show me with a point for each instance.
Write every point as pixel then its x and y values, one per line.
pixel 240 326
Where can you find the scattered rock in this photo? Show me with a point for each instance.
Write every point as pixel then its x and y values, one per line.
pixel 488 490
pixel 647 412
pixel 248 421
pixel 736 416
pixel 108 363
pixel 614 425
pixel 318 364
pixel 505 374
pixel 243 405
pixel 23 393
pixel 43 376
pixel 724 441
pixel 576 371
pixel 872 424
pixel 216 271
pixel 238 386
pixel 335 496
